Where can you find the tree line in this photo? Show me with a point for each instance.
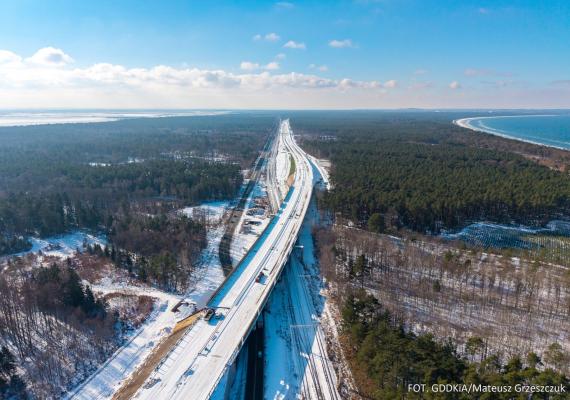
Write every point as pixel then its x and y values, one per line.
pixel 51 319
pixel 388 358
pixel 413 170
pixel 56 178
pixel 516 305
pixel 159 250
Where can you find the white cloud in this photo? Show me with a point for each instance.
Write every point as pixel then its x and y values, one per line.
pixel 269 37
pixel 499 83
pixel 291 44
pixel 272 37
pixel 7 57
pixel 272 66
pixel 340 44
pixel 391 84
pixel 50 56
pixel 485 72
pixel 284 5
pixel 252 66
pixel 420 71
pixel 160 77
pixel 249 66
pixel 476 72
pixel 280 56
pixel 322 68
pixel 454 85
pixel 25 84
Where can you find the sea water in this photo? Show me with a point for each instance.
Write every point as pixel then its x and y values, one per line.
pixel 545 129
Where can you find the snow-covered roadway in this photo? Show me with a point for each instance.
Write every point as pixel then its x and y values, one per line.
pixel 199 361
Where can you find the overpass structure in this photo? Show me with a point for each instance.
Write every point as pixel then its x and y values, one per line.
pixel 198 362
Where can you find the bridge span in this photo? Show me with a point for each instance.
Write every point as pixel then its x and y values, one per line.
pixel 195 366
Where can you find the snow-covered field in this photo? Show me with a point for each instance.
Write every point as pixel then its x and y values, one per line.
pixel 64 245
pixel 213 211
pixel 323 168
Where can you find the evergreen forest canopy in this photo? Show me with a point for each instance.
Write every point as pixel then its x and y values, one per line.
pixel 417 170
pixel 54 178
pixel 387 358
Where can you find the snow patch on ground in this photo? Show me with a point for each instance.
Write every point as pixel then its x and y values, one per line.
pixel 282 167
pixel 253 221
pixel 323 168
pixel 64 245
pixel 209 275
pixel 204 281
pixel 110 376
pixel 213 211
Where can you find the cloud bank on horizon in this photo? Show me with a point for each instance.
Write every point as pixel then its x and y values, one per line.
pixel 49 78
pixel 354 60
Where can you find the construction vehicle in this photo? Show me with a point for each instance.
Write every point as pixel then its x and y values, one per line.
pixel 209 314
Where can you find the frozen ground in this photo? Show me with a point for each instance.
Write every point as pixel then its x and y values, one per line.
pixel 208 275
pixel 206 279
pixel 487 234
pixel 282 167
pixel 109 377
pixel 179 371
pixel 213 211
pixel 246 235
pixel 274 182
pixel 516 305
pixel 323 167
pixel 64 245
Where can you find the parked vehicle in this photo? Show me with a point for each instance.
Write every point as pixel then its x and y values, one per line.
pixel 209 314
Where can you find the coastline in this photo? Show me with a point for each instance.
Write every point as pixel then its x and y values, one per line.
pixel 15 119
pixel 465 123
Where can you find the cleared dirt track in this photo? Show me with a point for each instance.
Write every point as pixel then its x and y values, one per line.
pixel 131 386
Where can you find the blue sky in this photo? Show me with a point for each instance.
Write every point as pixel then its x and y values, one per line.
pixel 348 54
